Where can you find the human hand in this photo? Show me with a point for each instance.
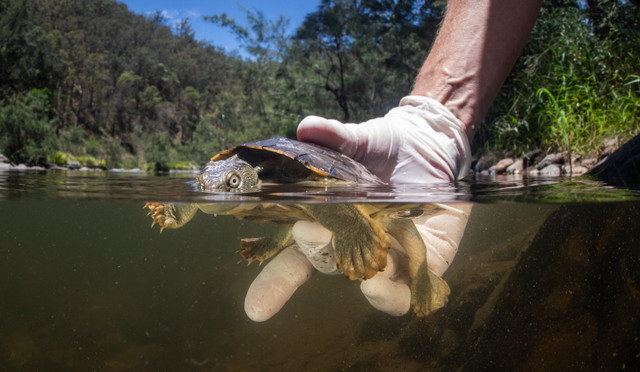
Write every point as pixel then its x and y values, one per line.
pixel 420 141
pixel 387 291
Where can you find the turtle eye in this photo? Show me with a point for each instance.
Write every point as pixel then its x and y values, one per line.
pixel 233 180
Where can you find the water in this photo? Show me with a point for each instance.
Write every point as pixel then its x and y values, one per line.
pixel 547 277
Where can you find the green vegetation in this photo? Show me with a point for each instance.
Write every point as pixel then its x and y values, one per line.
pixel 576 82
pixel 90 81
pixel 28 126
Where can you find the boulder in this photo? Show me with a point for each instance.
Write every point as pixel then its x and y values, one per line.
pixel 503 164
pixel 552 170
pixel 516 167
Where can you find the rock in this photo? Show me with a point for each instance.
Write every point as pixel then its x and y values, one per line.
pixel 533 172
pixel 622 168
pixel 552 170
pixel 73 164
pixel 503 165
pixel 589 162
pixel 3 159
pixel 485 162
pixel 123 170
pixel 550 159
pixel 516 167
pixel 577 170
pixel 5 166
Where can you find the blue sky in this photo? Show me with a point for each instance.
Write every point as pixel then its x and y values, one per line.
pixel 174 11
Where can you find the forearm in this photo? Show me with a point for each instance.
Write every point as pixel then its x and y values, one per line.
pixel 477 46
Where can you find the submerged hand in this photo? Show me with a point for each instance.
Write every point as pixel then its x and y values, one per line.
pixel 420 141
pixel 313 251
pixel 387 291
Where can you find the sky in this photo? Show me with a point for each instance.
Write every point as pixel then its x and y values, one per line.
pixel 176 10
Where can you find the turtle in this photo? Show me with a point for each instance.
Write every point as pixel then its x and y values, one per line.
pixel 361 232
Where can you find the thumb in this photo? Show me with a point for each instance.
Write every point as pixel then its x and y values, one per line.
pixel 328 133
pixel 372 143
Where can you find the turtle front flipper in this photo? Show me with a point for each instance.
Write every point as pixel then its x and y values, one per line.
pixel 171 216
pixel 429 292
pixel 260 249
pixel 360 245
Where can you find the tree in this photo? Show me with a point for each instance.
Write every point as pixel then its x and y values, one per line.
pixel 366 53
pixel 27 128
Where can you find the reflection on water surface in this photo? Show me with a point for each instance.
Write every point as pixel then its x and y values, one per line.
pixel 178 187
pixel 542 280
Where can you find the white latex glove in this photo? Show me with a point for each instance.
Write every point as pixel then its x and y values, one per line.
pixel 387 291
pixel 420 141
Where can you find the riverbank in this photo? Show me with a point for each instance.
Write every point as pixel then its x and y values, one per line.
pixel 74 165
pixel 532 164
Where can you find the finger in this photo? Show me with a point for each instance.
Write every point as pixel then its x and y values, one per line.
pixel 442 234
pixel 386 292
pixel 314 241
pixel 329 133
pixel 370 143
pixel 276 283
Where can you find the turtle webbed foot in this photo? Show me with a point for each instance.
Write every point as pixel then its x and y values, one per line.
pixel 429 292
pixel 360 245
pixel 361 255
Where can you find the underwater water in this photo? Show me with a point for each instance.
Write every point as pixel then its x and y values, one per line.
pixel 547 276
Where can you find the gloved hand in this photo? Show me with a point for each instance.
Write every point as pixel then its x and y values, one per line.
pixel 387 291
pixel 420 141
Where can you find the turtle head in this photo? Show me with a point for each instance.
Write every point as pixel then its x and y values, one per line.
pixel 232 174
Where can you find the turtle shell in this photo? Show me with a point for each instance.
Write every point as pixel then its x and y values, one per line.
pixel 285 160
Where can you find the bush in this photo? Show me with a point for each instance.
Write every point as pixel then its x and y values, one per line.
pixel 159 151
pixel 91 162
pixel 572 87
pixel 94 147
pixel 114 152
pixel 62 158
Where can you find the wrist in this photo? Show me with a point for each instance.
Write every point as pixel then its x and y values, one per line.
pixel 438 139
pixel 453 91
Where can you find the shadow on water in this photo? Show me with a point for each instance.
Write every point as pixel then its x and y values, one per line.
pixel 546 278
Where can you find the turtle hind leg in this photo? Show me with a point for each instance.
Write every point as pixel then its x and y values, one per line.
pixel 260 249
pixel 429 292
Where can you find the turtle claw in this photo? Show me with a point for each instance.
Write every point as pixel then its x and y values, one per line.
pixel 170 215
pixel 254 249
pixel 162 214
pixel 156 210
